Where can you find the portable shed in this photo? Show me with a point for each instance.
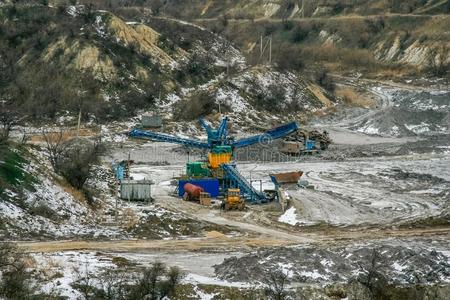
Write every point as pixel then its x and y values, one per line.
pixel 136 190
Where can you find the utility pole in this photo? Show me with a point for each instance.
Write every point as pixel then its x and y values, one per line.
pixel 270 50
pixel 261 47
pixel 303 9
pixel 79 123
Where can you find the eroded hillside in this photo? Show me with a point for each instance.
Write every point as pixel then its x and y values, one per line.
pixel 59 61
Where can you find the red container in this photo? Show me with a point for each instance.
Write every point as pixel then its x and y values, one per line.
pixel 193 190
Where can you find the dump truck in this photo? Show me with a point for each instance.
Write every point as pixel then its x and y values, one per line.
pixel 196 193
pixel 233 200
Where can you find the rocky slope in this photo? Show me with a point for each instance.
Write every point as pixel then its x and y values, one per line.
pixel 290 9
pixel 111 67
pixel 378 36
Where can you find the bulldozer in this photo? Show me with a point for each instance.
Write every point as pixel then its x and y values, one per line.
pixel 233 200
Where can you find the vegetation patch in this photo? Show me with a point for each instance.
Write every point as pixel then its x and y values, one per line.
pixel 168 225
pixel 12 174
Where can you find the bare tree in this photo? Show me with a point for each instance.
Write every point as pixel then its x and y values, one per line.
pixel 55 146
pixel 15 280
pixel 9 117
pixel 156 283
pixel 439 66
pixel 276 285
pixel 113 284
pixel 371 275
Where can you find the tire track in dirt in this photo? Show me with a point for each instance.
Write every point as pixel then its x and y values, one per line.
pixel 230 243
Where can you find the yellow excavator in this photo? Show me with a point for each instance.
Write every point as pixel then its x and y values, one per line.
pixel 233 200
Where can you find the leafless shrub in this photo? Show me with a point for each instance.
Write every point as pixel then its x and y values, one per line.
pixel 200 104
pixel 156 283
pixel 439 66
pixel 9 117
pixel 271 99
pixel 15 281
pixel 276 285
pixel 76 162
pixel 372 277
pixel 54 146
pixel 288 58
pixel 72 158
pixel 324 80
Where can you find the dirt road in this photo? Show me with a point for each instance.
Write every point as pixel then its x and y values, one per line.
pixel 231 243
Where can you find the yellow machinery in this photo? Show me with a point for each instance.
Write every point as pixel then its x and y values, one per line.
pixel 205 199
pixel 216 159
pixel 233 200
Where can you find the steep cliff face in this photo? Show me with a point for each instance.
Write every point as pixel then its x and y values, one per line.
pixel 423 46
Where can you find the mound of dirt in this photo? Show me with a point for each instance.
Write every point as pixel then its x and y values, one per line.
pixel 397 263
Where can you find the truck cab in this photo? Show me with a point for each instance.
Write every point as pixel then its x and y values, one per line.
pixel 233 200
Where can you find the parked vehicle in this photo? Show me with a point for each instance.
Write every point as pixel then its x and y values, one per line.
pixel 233 200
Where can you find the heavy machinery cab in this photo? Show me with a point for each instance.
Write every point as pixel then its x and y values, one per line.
pixel 233 193
pixel 233 200
pixel 205 199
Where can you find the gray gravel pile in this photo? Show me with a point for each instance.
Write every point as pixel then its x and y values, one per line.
pixel 411 114
pixel 399 264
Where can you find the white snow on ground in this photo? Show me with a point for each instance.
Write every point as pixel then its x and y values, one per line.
pixel 113 134
pixel 170 100
pixel 50 209
pixel 75 10
pixel 420 128
pixel 327 262
pixel 99 26
pixel 398 267
pixel 286 268
pixel 289 217
pixel 313 274
pixel 232 99
pixel 342 199
pixel 237 94
pixel 266 185
pixel 199 279
pixel 204 296
pixel 138 176
pixel 62 269
pixel 370 129
pixel 428 191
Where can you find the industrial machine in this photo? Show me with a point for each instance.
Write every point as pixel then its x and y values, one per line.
pixel 233 200
pixel 205 199
pixel 304 142
pixel 192 192
pixel 220 155
pixel 196 193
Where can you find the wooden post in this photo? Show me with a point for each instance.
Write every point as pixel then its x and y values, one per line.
pixel 270 50
pixel 303 9
pixel 79 123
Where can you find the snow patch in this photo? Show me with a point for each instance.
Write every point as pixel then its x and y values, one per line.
pixel 289 217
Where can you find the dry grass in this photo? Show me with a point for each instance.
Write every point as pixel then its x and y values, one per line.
pixel 76 194
pixel 353 98
pixel 67 135
pixel 129 219
pixel 317 91
pixel 214 234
